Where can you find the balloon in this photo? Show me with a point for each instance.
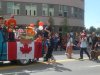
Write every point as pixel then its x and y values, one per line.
pixel 41 23
pixel 40 27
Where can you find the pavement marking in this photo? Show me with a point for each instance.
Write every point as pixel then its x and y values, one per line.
pixel 58 61
pixel 67 60
pixel 8 67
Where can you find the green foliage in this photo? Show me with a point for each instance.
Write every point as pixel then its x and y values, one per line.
pixel 37 23
pixel 51 21
pixel 64 26
pixel 98 30
pixel 92 29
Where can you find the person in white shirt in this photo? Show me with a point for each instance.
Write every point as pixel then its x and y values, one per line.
pixel 69 46
pixel 83 46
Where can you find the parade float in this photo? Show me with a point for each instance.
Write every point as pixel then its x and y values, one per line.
pixel 25 48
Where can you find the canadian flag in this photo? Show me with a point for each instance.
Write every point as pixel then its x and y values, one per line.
pixel 17 50
pixel 25 51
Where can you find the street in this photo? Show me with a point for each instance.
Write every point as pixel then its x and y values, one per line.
pixel 62 66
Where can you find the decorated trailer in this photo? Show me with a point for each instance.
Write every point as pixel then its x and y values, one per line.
pixel 21 53
pixel 19 45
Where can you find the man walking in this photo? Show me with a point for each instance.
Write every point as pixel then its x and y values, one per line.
pixel 83 46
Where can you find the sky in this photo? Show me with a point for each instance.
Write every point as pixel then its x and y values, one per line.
pixel 92 13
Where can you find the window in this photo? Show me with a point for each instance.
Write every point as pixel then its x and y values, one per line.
pixel 51 10
pixel 13 8
pixel 34 10
pixel 28 9
pixel 0 4
pixel 65 14
pixel 65 11
pixel 10 7
pixel 81 13
pixel 17 9
pixel 26 12
pixel 72 10
pixel 44 9
pixel 76 12
pixel 65 8
pixel 60 10
pixel 31 10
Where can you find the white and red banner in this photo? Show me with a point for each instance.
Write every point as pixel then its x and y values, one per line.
pixel 17 50
pixel 25 51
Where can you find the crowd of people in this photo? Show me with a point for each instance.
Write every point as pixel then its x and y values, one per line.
pixel 85 43
pixel 54 41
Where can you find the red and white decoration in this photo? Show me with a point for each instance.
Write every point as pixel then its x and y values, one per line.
pixel 25 51
pixel 17 50
pixel 41 24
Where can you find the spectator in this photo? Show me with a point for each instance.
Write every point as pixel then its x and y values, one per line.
pixel 56 39
pixel 89 40
pixel 94 41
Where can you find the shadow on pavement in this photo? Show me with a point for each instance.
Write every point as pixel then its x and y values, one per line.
pixel 35 68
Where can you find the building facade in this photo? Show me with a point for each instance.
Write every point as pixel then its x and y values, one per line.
pixel 29 11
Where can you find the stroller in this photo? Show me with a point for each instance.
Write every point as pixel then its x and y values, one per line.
pixel 96 52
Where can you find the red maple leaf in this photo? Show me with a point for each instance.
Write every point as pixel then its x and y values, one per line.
pixel 25 49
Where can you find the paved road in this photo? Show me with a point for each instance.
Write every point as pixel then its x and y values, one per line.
pixel 63 66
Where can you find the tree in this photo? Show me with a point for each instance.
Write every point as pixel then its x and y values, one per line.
pixel 51 22
pixel 98 30
pixel 64 26
pixel 37 23
pixel 92 29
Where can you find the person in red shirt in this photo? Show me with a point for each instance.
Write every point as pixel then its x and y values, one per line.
pixel 38 48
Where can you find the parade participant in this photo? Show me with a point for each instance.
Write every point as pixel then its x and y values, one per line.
pixel 38 47
pixel 83 46
pixel 69 46
pixel 3 36
pixel 47 31
pixel 49 56
pixel 44 48
pixel 11 23
pixel 30 30
pixel 18 33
